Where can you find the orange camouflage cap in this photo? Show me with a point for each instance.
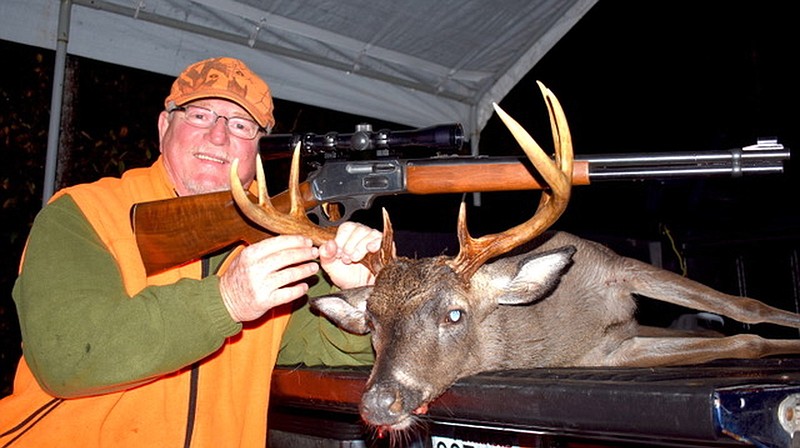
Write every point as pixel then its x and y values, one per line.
pixel 225 78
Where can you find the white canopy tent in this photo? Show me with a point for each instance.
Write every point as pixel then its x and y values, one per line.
pixel 413 62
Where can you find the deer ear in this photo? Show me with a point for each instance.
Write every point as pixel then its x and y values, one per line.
pixel 536 276
pixel 345 308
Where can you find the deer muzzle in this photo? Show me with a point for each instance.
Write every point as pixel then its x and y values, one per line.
pixel 390 407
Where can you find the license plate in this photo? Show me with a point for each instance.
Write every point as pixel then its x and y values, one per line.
pixel 446 442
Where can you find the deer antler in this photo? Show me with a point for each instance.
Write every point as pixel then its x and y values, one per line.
pixel 556 174
pixel 296 222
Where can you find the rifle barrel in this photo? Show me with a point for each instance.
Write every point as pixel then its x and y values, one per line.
pixel 734 162
pixel 699 171
pixel 661 158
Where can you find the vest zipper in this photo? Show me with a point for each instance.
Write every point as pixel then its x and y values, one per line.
pixel 190 418
pixel 194 377
pixel 44 410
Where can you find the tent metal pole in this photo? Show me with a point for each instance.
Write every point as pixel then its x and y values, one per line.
pixel 474 141
pixel 53 134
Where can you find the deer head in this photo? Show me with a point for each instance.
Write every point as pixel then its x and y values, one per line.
pixel 432 309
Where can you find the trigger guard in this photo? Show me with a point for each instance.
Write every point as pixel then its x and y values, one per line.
pixel 348 206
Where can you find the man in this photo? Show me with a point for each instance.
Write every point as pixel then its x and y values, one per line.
pixel 114 358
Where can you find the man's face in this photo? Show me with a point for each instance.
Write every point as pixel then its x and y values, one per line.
pixel 199 160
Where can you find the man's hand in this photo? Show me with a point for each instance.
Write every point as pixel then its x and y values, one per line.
pixel 268 274
pixel 340 257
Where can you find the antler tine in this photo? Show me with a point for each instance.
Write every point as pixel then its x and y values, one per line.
pixel 266 215
pixel 377 260
pixel 296 222
pixel 562 139
pixel 474 252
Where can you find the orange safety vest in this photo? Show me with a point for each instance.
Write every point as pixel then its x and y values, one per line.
pixel 225 396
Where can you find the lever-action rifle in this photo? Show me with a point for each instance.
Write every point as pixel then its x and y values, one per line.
pixel 172 232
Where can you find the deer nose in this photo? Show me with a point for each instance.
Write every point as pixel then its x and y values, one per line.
pixel 382 405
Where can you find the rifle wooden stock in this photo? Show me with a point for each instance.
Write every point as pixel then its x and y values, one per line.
pixel 172 232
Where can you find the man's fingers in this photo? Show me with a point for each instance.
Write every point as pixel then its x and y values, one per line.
pixel 279 243
pixel 286 276
pixel 267 275
pixel 288 293
pixel 327 251
pixel 355 240
pixel 265 264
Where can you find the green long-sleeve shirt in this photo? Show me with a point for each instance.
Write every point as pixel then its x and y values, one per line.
pixel 83 334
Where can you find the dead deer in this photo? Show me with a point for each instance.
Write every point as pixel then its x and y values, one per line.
pixel 568 302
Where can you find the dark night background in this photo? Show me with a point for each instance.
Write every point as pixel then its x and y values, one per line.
pixel 633 77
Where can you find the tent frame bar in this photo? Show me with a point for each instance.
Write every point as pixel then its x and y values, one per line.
pixel 56 100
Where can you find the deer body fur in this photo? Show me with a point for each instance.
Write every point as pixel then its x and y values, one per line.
pixel 566 302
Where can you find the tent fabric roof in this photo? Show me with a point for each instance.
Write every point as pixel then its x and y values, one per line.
pixel 413 62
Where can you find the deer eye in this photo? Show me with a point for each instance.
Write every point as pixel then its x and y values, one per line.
pixel 454 316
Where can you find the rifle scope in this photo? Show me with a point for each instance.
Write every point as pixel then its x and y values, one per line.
pixel 447 137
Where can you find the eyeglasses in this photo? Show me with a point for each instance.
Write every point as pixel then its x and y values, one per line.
pixel 200 117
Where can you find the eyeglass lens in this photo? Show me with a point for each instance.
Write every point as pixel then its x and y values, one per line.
pixel 206 118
